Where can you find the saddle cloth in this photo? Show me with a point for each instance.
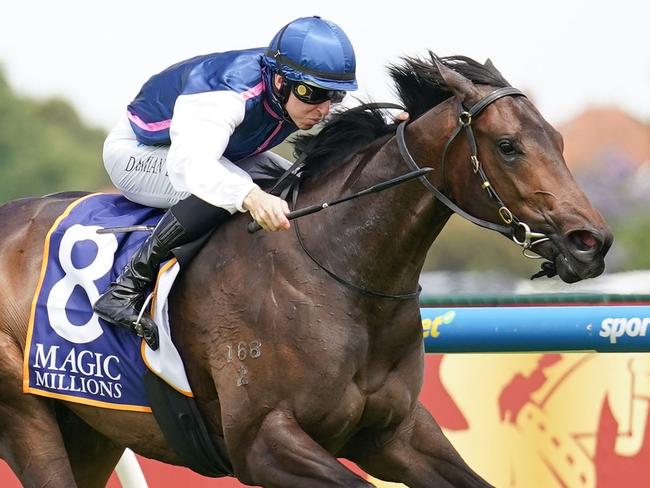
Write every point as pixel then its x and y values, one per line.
pixel 72 354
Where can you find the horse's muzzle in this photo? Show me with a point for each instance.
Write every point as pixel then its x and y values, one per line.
pixel 580 253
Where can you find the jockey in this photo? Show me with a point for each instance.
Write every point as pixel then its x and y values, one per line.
pixel 196 130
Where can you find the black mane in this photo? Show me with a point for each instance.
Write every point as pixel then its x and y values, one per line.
pixel 344 134
pixel 420 87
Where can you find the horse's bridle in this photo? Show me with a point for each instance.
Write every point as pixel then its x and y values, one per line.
pixel 514 229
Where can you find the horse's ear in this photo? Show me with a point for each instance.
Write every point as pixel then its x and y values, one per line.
pixel 490 65
pixel 460 86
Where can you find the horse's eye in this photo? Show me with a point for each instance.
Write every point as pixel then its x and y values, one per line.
pixel 506 147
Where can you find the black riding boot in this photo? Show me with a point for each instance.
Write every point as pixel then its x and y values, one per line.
pixel 122 302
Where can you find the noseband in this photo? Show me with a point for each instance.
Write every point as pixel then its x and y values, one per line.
pixel 514 228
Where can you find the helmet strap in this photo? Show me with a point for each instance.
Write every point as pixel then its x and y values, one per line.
pixel 284 91
pixel 282 94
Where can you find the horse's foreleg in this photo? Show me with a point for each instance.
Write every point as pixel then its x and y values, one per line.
pixel 416 453
pixel 283 455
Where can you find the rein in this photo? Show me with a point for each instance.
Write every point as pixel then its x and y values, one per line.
pixel 514 229
pixel 359 289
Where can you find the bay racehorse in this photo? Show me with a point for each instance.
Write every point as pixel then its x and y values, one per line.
pixel 329 313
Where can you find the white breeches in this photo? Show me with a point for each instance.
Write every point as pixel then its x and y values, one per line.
pixel 139 171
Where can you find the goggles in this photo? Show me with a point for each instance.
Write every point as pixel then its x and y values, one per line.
pixel 314 95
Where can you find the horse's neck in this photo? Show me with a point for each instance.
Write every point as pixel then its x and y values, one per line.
pixel 380 241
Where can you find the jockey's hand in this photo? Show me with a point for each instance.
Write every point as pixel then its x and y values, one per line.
pixel 268 210
pixel 402 116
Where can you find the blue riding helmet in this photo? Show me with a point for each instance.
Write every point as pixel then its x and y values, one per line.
pixel 314 51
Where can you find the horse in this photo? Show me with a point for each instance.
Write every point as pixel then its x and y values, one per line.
pixel 327 316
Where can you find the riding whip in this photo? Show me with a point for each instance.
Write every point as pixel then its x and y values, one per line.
pixel 254 226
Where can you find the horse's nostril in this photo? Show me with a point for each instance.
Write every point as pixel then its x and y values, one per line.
pixel 584 240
